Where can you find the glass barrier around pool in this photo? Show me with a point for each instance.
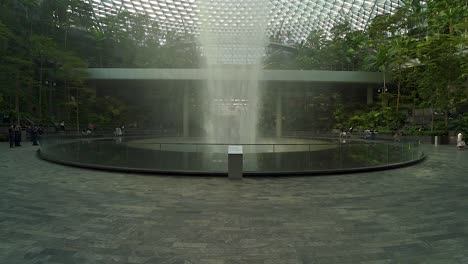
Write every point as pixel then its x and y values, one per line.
pixel 160 154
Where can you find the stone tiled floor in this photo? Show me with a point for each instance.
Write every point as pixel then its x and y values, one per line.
pixel 55 214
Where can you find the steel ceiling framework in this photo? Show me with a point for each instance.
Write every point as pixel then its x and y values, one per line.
pixel 292 19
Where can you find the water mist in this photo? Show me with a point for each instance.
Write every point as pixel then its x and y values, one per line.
pixel 233 51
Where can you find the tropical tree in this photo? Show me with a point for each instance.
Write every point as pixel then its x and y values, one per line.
pixel 310 51
pixel 380 61
pixel 442 55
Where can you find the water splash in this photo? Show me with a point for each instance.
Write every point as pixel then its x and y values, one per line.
pixel 233 51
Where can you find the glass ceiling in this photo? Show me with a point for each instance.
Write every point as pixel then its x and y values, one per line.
pixel 293 19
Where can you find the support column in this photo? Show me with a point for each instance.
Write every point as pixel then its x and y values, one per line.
pixel 186 110
pixel 370 95
pixel 279 113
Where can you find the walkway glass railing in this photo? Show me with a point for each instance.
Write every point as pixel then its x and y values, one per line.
pixel 163 154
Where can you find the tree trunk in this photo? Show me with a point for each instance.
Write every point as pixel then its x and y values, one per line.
pixel 398 89
pixel 77 118
pixel 49 101
pixel 446 119
pixel 432 119
pixel 77 112
pixel 40 92
pixel 17 98
pixel 384 83
pixel 398 96
pixel 66 38
pixel 383 90
pixel 447 107
pixel 67 99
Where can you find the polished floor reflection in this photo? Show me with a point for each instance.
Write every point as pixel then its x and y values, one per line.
pixel 59 214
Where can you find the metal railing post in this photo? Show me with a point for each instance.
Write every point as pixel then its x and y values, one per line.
pixel 388 153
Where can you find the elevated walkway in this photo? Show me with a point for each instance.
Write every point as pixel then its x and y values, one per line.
pixel 235 74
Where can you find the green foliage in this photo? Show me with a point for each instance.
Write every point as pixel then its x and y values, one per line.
pixel 416 131
pixel 460 123
pixel 424 49
pixel 422 46
pixel 387 119
pixel 345 49
pixel 109 112
pixel 320 108
pixel 2 102
pixel 34 54
pixel 341 119
pixel 5 34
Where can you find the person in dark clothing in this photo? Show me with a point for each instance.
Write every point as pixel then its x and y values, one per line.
pixel 17 136
pixel 11 136
pixel 34 135
pixel 29 132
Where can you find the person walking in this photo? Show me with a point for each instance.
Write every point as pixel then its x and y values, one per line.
pixel 460 142
pixel 11 136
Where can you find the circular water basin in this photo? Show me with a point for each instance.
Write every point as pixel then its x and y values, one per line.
pixel 196 156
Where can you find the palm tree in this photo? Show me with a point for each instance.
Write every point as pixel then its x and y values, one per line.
pixel 380 61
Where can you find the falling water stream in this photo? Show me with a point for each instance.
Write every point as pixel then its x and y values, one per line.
pixel 233 50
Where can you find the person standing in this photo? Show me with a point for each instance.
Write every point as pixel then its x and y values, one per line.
pixel 396 136
pixel 34 135
pixel 350 131
pixel 62 125
pixel 29 132
pixel 11 136
pixel 17 136
pixel 118 132
pixel 460 142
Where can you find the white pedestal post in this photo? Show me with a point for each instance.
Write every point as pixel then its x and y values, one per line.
pixel 235 162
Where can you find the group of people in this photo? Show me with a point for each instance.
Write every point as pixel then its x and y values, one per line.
pixel 119 131
pixel 370 134
pixel 346 133
pixel 91 128
pixel 88 130
pixel 15 137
